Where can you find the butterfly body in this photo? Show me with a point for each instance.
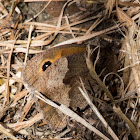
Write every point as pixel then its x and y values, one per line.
pixel 55 73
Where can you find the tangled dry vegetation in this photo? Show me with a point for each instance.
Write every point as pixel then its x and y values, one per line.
pixel 28 27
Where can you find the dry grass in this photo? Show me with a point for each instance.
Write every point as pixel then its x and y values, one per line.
pixel 16 102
